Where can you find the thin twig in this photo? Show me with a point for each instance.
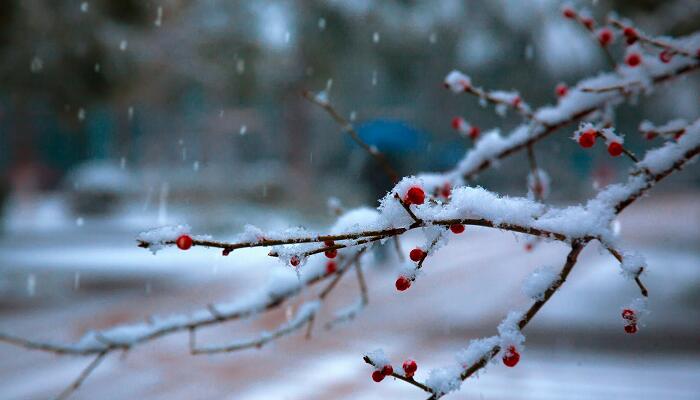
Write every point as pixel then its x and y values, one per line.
pixel 83 375
pixel 348 127
pixel 407 208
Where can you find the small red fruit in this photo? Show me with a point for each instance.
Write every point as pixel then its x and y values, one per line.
pixel 331 253
pixel 569 13
pixel 631 328
pixel 415 195
pixel 628 314
pixel 528 247
pixel 511 358
pixel 387 370
pixel 516 101
pixel 605 37
pixel 457 228
pixel 294 261
pixel 328 243
pixel 457 123
pixel 587 22
pixel 665 56
pixel 184 242
pixel 377 376
pixel 587 139
pixel 650 135
pixel 331 267
pixel 446 190
pixel 403 283
pixel 615 149
pixel 474 132
pixel 630 32
pixel 561 90
pixel 416 254
pixel 410 367
pixel 633 59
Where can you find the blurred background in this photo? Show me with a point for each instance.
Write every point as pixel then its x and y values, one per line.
pixel 123 115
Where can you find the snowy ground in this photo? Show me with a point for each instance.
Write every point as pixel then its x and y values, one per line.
pixel 575 349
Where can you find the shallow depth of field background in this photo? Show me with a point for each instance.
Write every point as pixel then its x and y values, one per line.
pixel 116 117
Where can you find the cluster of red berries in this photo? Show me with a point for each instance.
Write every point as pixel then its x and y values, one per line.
pixel 459 124
pixel 587 140
pixel 511 358
pixel 330 253
pixel 414 195
pixel 379 374
pixel 184 242
pixel 409 368
pixel 630 320
pixel 570 13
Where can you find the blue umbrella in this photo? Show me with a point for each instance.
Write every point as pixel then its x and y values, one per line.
pixel 392 136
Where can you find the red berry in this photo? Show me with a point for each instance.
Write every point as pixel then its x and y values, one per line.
pixel 633 59
pixel 331 267
pixel 561 90
pixel 225 251
pixel 416 254
pixel 587 22
pixel 331 253
pixel 446 190
pixel 516 101
pixel 328 243
pixel 184 242
pixel 294 261
pixel 474 132
pixel 587 139
pixel 528 247
pixel 457 228
pixel 569 13
pixel 410 367
pixel 403 283
pixel 415 195
pixel 631 328
pixel 605 37
pixel 628 314
pixel 377 376
pixel 387 370
pixel 511 358
pixel 630 32
pixel 457 123
pixel 665 56
pixel 650 135
pixel 615 149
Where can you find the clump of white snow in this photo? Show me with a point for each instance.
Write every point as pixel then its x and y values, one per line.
pixel 539 281
pixel 457 81
pixel 156 238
